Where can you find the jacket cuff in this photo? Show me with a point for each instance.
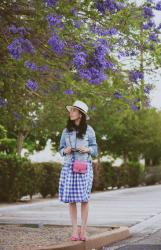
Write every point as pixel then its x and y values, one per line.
pixel 90 150
pixel 62 152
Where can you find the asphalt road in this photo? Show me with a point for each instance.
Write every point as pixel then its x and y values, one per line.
pixel 138 208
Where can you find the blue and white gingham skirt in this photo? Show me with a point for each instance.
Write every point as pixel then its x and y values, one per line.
pixel 75 187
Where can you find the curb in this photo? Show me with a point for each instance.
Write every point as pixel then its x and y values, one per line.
pixel 92 242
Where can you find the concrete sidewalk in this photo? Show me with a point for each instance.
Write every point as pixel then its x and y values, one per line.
pixel 143 240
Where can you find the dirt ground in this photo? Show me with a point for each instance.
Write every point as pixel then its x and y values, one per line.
pixel 24 237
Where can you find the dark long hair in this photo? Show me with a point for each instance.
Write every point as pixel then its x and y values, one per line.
pixel 81 128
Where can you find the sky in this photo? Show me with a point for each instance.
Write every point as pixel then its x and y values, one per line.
pixel 155 97
pixel 156 93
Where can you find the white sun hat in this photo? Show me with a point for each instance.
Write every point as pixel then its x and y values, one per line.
pixel 79 105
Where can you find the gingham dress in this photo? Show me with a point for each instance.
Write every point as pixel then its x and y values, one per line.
pixel 75 187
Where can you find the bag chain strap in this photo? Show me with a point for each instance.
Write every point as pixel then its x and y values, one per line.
pixel 75 146
pixel 71 145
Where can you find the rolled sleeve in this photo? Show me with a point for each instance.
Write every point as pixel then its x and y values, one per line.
pixel 92 143
pixel 62 144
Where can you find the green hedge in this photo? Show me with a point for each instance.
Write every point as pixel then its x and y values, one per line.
pixel 110 176
pixel 14 180
pixel 152 175
pixel 47 177
pixel 19 177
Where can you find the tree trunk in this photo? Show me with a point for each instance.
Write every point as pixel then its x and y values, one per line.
pixel 125 157
pixel 96 171
pixel 147 161
pixel 20 140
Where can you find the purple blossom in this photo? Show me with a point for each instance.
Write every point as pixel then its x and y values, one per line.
pixel 120 6
pixel 133 53
pixel 159 26
pixel 136 75
pixel 133 107
pixel 12 29
pixel 77 47
pixel 50 3
pixel 117 95
pixel 43 68
pixel 15 49
pixel 27 46
pixel 100 6
pixel 103 32
pixel 147 12
pixel 158 6
pixel 109 65
pixel 54 20
pixel 147 102
pixel 99 61
pixel 3 102
pixel 74 11
pixel 121 41
pixel 16 115
pixel 68 92
pixel 19 46
pixel 92 107
pixel 101 47
pixel 32 85
pixel 77 23
pixel 149 25
pixel 30 65
pixel 34 67
pixel 93 75
pixel 56 44
pixel 147 89
pixel 112 31
pixel 79 59
pixel 96 29
pixel 153 37
pixel 111 6
pixel 121 53
pixel 128 53
pixel 92 68
pixel 85 73
pixel 21 30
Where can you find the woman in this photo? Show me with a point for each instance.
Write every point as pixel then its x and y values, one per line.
pixel 78 142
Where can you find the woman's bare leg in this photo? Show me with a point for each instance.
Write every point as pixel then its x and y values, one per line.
pixel 84 216
pixel 73 216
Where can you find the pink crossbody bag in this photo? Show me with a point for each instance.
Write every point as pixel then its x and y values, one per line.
pixel 78 166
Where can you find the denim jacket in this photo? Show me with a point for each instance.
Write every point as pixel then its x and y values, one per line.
pixel 69 139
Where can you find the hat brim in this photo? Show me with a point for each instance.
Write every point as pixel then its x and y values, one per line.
pixel 68 107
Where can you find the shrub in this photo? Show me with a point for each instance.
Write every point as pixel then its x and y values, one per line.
pixel 152 175
pixel 19 177
pixel 47 178
pixel 12 177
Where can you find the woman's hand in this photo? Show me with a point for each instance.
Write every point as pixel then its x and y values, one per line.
pixel 67 150
pixel 84 149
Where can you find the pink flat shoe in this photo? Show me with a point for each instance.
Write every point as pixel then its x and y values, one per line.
pixel 82 238
pixel 74 238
